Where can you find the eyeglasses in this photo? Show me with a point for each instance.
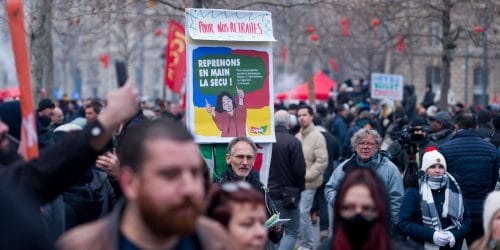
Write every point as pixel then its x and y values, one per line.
pixel 240 158
pixel 350 210
pixel 366 144
pixel 235 186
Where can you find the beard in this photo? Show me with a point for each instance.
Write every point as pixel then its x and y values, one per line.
pixel 167 220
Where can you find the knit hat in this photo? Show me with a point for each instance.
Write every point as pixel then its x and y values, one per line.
pixel 432 157
pixel 491 207
pixel 45 104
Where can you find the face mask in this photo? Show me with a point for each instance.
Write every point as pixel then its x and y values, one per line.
pixel 357 229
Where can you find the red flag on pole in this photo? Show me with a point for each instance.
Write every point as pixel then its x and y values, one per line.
pixel 29 141
pixel 175 54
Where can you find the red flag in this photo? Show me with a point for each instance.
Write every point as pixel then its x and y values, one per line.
pixel 495 98
pixel 334 65
pixel 284 55
pixel 345 26
pixel 400 45
pixel 175 54
pixel 29 141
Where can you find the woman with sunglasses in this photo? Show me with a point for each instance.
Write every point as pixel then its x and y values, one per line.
pixel 241 210
pixel 361 214
pixel 433 212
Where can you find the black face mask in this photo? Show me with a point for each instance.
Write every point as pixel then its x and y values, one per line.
pixel 357 229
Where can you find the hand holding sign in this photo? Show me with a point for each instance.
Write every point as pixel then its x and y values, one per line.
pixel 209 107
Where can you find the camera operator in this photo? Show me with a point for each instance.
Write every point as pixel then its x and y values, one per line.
pixel 408 149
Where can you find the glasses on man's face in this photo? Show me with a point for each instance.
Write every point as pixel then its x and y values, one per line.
pixel 366 144
pixel 235 186
pixel 350 210
pixel 240 158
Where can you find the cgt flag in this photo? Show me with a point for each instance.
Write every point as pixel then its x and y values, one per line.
pixel 29 141
pixel 175 54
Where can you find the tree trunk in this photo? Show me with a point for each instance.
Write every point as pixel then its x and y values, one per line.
pixel 447 46
pixel 40 40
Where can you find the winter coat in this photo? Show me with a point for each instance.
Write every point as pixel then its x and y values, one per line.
pixel 104 234
pixel 385 169
pixel 340 130
pixel 288 167
pixel 26 186
pixel 315 155
pixel 89 200
pixel 441 137
pixel 474 163
pixel 410 218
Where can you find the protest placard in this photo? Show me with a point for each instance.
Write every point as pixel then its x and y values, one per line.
pixel 229 83
pixel 385 86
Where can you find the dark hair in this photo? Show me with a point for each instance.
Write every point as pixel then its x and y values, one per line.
pixel 483 117
pixel 305 106
pixel 292 106
pixel 95 105
pixel 218 106
pixel 379 237
pixel 496 123
pixel 238 139
pixel 219 202
pixel 466 120
pixel 131 150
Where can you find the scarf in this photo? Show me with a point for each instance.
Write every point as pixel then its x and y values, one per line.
pixel 453 206
pixel 372 163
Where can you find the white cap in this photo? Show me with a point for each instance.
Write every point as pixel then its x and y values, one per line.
pixel 491 207
pixel 432 157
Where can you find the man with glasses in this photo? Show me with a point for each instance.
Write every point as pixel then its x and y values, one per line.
pixel 316 158
pixel 240 158
pixel 366 144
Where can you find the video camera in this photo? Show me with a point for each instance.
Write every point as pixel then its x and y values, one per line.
pixel 407 135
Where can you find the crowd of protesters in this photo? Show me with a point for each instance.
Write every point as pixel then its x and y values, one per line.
pixel 352 173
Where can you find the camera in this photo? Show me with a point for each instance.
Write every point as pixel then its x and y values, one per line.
pixel 408 135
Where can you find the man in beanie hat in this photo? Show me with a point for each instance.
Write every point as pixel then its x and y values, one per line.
pixel 491 224
pixel 433 212
pixel 44 115
pixel 474 163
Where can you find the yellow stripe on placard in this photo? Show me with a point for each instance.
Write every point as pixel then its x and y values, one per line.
pixel 256 119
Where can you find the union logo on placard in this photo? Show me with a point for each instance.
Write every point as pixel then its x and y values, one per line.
pixel 260 131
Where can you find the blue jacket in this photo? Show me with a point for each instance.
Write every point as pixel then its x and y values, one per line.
pixel 410 218
pixel 474 163
pixel 385 169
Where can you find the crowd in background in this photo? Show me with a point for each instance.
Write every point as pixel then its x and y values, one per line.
pixel 351 173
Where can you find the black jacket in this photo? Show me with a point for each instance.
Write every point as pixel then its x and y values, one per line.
pixel 288 167
pixel 37 182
